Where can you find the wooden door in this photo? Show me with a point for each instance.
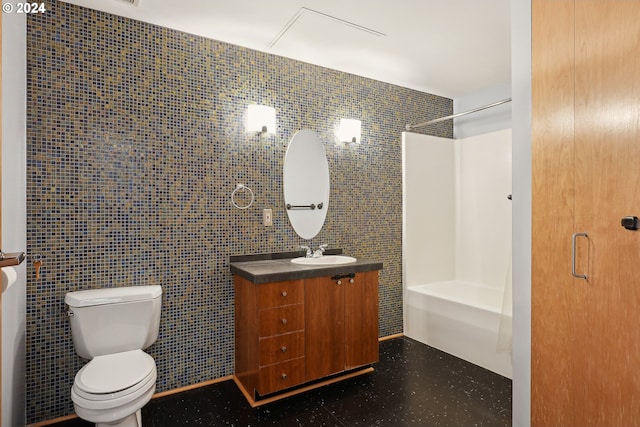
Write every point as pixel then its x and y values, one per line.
pixel 361 319
pixel 552 287
pixel 324 327
pixel 607 165
pixel 586 147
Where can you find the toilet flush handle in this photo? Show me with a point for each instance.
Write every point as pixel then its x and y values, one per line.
pixel 70 313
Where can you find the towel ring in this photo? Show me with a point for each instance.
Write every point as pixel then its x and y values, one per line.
pixel 243 188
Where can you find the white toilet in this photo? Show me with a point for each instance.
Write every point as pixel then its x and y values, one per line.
pixel 111 327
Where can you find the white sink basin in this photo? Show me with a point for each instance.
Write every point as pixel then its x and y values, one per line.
pixel 325 260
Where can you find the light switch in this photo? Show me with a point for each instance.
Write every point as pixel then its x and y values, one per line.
pixel 267 217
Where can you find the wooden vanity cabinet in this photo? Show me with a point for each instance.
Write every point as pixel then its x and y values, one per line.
pixel 293 332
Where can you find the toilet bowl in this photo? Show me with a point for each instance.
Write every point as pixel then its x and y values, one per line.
pixel 111 327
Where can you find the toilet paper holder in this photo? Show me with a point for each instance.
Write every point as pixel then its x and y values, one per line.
pixel 11 259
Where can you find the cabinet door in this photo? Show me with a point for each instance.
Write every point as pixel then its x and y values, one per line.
pixel 324 327
pixel 361 319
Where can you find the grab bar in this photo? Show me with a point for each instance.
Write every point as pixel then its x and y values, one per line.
pixel 311 206
pixel 573 256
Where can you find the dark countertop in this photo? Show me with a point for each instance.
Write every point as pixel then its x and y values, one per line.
pixel 265 268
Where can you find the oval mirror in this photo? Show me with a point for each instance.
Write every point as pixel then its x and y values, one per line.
pixel 306 183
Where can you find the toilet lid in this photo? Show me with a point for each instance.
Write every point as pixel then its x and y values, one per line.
pixel 114 372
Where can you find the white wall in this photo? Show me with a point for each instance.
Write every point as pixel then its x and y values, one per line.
pixel 521 112
pixel 485 121
pixel 483 213
pixel 429 201
pixel 14 214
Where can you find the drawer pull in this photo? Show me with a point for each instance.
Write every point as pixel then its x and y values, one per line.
pixel 352 280
pixel 338 276
pixel 283 321
pixel 283 376
pixel 283 349
pixel 284 293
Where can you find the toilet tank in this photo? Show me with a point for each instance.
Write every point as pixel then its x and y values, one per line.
pixel 112 320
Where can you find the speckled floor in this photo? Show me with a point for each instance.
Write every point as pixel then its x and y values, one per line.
pixel 413 385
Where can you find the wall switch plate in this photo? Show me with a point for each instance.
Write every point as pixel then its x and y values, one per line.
pixel 267 217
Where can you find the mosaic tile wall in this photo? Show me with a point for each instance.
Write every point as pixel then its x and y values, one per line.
pixel 135 143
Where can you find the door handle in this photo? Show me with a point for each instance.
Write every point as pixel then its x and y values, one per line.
pixel 573 255
pixel 630 222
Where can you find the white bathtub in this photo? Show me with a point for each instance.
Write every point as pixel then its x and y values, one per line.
pixel 460 318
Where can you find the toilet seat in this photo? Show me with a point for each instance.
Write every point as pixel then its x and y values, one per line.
pixel 117 410
pixel 115 375
pixel 113 398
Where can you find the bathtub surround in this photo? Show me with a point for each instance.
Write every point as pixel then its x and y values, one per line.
pixel 457 240
pixel 461 318
pixel 136 139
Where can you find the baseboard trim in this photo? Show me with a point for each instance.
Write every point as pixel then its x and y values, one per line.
pixel 161 394
pixel 256 403
pixel 191 387
pixel 53 421
pixel 390 337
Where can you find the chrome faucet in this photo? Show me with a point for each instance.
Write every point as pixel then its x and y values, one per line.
pixel 308 254
pixel 318 253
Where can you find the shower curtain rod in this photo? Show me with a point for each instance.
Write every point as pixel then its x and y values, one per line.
pixel 442 119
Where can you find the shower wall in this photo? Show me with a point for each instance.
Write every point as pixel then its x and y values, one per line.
pixel 457 215
pixel 483 211
pixel 429 198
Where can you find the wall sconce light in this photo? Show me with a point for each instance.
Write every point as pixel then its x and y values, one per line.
pixel 349 131
pixel 261 119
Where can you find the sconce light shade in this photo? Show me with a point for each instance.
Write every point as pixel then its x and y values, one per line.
pixel 349 131
pixel 261 119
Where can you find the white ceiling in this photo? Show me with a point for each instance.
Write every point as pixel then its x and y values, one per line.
pixel 446 47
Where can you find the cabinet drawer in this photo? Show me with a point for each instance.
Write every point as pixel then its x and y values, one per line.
pixel 281 320
pixel 280 376
pixel 280 293
pixel 281 347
